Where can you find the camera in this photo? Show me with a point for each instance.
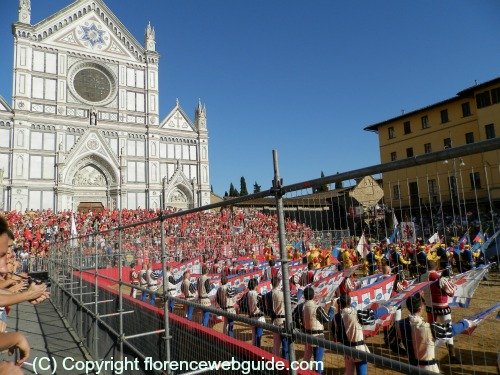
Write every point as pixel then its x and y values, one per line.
pixel 40 277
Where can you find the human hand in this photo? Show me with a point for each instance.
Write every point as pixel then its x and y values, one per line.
pixel 40 299
pixel 35 291
pixel 23 345
pixel 18 286
pixel 8 368
pixel 19 277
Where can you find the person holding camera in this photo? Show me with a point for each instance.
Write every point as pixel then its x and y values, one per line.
pixel 35 294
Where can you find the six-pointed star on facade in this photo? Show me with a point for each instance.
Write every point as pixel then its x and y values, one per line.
pixel 93 35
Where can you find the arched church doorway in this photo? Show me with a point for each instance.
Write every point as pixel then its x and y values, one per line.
pixel 85 207
pixel 91 189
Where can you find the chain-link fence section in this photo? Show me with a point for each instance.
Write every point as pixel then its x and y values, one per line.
pixel 340 255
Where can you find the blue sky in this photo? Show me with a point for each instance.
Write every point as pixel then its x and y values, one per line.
pixel 302 77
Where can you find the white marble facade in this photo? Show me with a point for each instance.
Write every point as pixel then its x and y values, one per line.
pixel 85 111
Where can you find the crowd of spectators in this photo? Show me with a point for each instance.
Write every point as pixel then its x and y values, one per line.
pixel 212 234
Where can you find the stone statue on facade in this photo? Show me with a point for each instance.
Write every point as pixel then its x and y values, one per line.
pixel 93 116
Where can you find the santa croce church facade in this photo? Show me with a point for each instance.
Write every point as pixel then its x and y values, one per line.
pixel 84 124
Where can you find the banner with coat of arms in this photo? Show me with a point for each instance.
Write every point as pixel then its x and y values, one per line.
pixel 408 232
pixel 384 311
pixel 376 292
pixel 324 288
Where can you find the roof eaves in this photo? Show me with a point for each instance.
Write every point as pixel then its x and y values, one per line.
pixel 374 127
pixel 472 89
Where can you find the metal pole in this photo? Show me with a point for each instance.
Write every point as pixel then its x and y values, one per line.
pixel 81 290
pixel 166 292
pixel 71 267
pixel 96 298
pixel 277 184
pixel 457 190
pixel 463 192
pixel 120 262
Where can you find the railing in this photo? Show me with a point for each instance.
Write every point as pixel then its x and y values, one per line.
pixel 111 323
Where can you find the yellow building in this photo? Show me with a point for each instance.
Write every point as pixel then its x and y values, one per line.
pixel 464 183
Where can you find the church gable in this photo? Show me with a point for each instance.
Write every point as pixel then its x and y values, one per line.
pixel 91 142
pixel 178 120
pixel 178 189
pixel 90 26
pixel 4 107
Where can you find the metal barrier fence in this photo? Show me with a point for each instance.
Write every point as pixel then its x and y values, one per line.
pixel 113 324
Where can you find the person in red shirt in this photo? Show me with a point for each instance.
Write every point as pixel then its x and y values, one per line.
pixel 347 285
pixel 436 301
pixel 308 276
pixel 134 280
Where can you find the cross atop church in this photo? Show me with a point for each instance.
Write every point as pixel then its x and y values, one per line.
pixel 178 119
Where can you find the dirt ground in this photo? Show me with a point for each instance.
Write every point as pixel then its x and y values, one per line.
pixel 479 352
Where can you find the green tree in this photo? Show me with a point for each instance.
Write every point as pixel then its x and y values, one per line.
pixel 256 188
pixel 226 194
pixel 321 188
pixel 243 187
pixel 212 189
pixel 232 191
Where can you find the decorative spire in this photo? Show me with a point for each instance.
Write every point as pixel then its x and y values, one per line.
pixel 150 38
pixel 201 116
pixel 25 11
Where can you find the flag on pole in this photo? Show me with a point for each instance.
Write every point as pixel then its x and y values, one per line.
pixel 488 242
pixel 363 247
pixel 480 316
pixel 478 240
pixel 369 280
pixel 74 233
pixel 376 292
pixel 467 284
pixel 323 272
pixel 324 288
pixel 479 237
pixel 384 311
pixel 394 236
pixel 408 232
pixel 395 221
pixel 336 249
pixel 464 240
pixel 434 238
